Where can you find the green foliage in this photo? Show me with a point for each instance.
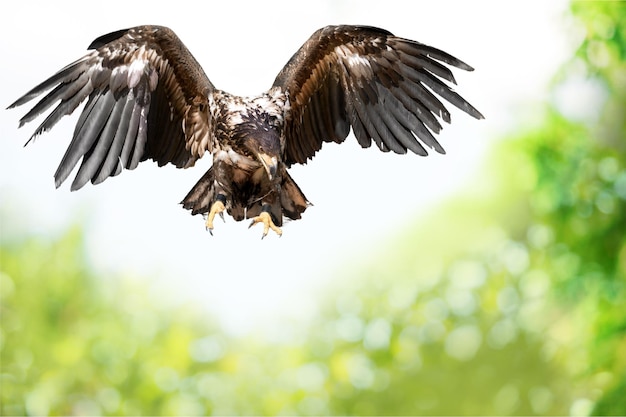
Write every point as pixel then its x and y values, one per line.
pixel 507 300
pixel 73 343
pixel 440 342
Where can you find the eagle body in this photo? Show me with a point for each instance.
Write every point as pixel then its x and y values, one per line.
pixel 148 98
pixel 249 133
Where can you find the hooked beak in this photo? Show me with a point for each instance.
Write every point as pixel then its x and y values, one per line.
pixel 270 163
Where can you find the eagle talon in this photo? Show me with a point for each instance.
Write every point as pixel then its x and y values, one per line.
pixel 268 224
pixel 217 208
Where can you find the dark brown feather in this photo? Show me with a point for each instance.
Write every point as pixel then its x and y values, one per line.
pixel 143 85
pixel 384 93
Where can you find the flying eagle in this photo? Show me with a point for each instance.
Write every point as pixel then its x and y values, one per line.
pixel 148 98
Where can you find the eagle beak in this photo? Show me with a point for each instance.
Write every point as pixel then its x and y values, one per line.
pixel 270 163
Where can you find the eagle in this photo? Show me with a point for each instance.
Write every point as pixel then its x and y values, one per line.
pixel 148 98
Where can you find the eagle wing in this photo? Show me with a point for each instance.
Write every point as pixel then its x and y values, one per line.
pixel 147 98
pixel 383 86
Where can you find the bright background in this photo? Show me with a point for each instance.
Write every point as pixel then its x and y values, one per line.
pixel 133 222
pixel 489 281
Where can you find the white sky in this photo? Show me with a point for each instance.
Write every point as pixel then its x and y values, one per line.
pixel 361 198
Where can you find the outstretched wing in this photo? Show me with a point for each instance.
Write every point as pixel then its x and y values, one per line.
pixel 382 86
pixel 147 98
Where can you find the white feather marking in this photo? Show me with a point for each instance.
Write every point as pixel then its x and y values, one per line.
pixel 353 59
pixel 231 157
pixel 154 79
pixel 116 71
pixel 220 155
pixel 135 72
pixel 95 69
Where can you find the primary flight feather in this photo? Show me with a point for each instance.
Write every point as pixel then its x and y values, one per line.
pixel 148 98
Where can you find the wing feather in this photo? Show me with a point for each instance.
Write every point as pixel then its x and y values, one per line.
pixel 424 115
pixel 131 136
pixel 379 124
pixel 384 87
pixel 96 113
pixel 108 118
pixel 338 112
pixel 147 99
pixel 364 119
pixel 395 122
pixel 357 128
pixel 112 161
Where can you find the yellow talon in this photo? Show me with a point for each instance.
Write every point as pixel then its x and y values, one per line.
pixel 217 207
pixel 268 224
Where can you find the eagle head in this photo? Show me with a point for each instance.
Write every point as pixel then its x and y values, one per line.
pixel 264 144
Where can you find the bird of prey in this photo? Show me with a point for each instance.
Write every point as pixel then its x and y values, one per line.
pixel 148 98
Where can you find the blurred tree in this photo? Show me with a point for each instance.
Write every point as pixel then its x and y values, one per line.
pixel 449 342
pixel 74 344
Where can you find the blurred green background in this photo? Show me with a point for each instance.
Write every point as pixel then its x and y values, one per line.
pixel 508 299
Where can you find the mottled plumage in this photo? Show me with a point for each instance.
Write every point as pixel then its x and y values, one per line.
pixel 148 98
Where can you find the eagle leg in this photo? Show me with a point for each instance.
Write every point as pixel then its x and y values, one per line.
pixel 218 207
pixel 266 218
